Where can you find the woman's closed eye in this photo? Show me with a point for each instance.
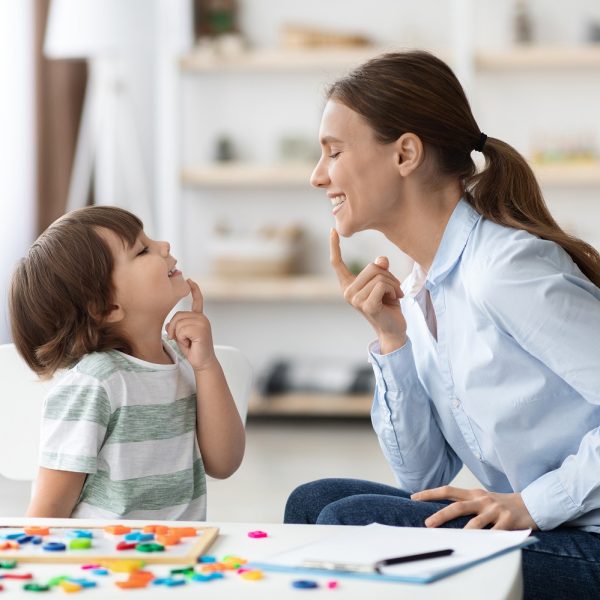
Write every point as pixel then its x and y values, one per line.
pixel 144 250
pixel 334 154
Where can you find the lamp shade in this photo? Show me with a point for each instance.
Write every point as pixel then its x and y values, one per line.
pixel 92 28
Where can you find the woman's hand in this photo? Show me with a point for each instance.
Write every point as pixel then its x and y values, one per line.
pixel 375 293
pixel 501 511
pixel 192 331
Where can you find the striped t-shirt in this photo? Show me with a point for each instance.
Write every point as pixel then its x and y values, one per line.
pixel 131 425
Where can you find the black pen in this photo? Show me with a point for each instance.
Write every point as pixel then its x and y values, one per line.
pixel 386 562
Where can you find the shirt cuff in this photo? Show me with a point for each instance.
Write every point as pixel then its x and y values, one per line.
pixel 548 503
pixel 394 371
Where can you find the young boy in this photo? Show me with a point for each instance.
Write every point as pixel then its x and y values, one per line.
pixel 133 425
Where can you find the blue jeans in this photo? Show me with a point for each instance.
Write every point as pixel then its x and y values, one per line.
pixel 564 564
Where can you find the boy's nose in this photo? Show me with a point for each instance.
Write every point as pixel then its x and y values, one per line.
pixel 166 248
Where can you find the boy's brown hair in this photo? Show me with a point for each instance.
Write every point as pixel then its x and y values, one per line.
pixel 62 290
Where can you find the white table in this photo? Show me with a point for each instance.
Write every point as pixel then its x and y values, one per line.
pixel 499 578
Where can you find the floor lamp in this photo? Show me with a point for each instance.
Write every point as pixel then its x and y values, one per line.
pixel 108 151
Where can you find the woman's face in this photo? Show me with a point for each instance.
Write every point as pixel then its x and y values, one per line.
pixel 359 174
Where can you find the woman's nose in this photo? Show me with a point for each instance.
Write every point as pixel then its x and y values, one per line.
pixel 165 248
pixel 319 177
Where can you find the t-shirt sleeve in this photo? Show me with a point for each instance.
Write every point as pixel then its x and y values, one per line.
pixel 75 418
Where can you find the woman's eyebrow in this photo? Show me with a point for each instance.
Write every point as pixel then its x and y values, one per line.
pixel 329 139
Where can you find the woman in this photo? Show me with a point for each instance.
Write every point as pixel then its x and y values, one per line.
pixel 489 354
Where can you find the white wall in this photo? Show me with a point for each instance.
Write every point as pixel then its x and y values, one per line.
pixel 17 141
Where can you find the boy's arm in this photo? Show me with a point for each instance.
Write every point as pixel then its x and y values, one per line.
pixel 220 431
pixel 56 493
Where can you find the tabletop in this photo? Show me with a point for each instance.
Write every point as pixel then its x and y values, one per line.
pixel 499 578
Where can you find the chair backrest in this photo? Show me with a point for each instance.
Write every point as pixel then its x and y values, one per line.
pixel 22 396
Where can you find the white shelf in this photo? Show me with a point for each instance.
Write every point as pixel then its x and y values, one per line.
pixel 584 174
pixel 279 60
pixel 518 57
pixel 247 175
pixel 540 57
pixel 297 288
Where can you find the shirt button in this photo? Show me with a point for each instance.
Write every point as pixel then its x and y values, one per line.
pixel 456 403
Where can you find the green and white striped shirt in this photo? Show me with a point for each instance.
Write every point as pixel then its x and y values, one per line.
pixel 131 425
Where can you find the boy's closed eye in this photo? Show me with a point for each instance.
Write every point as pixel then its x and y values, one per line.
pixel 144 250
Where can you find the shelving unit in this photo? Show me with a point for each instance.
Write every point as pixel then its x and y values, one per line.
pixel 245 175
pixel 539 57
pixel 310 405
pixel 278 60
pixel 573 175
pixel 249 177
pixel 238 174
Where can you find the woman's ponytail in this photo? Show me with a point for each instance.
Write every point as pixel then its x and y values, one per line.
pixel 506 192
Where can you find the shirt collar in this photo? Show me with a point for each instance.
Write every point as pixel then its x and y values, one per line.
pixel 455 237
pixel 457 232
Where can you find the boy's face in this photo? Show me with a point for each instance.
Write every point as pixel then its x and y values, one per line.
pixel 147 284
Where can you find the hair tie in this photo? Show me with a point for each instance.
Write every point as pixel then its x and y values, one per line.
pixel 481 142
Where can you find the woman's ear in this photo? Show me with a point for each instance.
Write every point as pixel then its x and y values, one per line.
pixel 409 153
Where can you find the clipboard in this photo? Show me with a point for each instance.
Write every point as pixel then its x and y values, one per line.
pixel 355 554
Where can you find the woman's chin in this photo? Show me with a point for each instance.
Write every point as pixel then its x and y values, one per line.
pixel 345 229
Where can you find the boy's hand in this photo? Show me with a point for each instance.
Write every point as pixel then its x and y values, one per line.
pixel 191 330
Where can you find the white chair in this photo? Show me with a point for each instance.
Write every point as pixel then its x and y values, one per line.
pixel 23 395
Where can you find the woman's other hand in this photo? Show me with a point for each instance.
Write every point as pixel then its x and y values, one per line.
pixel 500 511
pixel 375 293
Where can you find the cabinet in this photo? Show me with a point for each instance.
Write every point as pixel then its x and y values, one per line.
pixel 260 94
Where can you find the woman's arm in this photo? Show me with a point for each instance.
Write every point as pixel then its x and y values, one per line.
pixel 408 433
pixel 409 436
pixel 56 493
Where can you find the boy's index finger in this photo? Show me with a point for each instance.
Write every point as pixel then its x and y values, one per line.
pixel 339 266
pixel 197 298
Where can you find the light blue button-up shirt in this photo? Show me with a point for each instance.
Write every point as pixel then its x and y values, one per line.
pixel 511 385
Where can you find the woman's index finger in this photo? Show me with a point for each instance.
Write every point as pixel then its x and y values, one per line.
pixel 335 254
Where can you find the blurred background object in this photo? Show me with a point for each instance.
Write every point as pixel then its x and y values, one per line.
pixel 293 37
pixel 324 376
pixel 216 27
pixel 573 147
pixel 106 33
pixel 523 23
pixel 269 251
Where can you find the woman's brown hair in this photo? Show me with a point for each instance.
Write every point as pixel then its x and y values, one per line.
pixel 62 289
pixel 416 92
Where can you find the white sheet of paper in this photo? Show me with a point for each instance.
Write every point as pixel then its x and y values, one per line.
pixel 377 542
